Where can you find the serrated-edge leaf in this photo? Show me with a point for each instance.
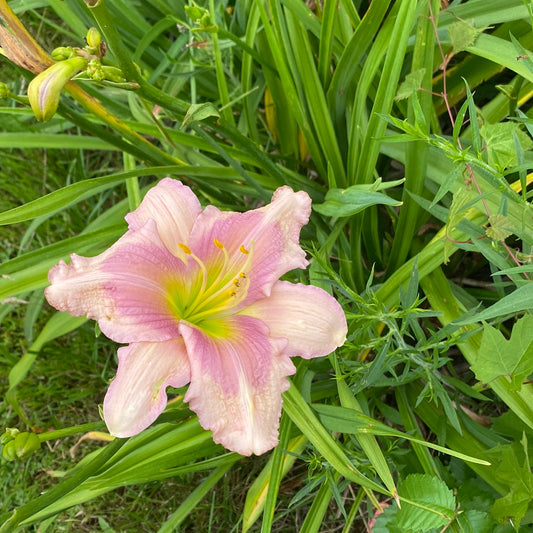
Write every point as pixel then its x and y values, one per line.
pixel 427 503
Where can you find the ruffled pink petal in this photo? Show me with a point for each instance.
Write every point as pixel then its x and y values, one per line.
pixel 310 319
pixel 174 207
pixel 126 288
pixel 270 233
pixel 236 383
pixel 137 395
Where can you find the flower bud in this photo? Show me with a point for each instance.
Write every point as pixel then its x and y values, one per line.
pixel 94 70
pixel 9 452
pixel 113 74
pixel 9 434
pixel 205 21
pixel 44 90
pixel 93 39
pixel 194 12
pixel 26 443
pixel 62 52
pixel 4 91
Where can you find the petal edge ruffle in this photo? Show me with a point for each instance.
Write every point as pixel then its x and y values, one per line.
pixel 237 383
pixel 174 208
pixel 137 395
pixel 125 288
pixel 310 319
pixel 271 234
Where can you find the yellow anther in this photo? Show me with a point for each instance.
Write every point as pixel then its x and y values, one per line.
pixel 242 275
pixel 232 293
pixel 243 249
pixel 218 244
pixel 185 248
pixel 237 283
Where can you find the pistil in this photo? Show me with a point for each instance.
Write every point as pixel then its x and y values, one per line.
pixel 222 293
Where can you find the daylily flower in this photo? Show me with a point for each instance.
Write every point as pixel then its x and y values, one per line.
pixel 197 296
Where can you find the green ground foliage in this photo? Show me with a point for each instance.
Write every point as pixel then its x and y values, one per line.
pixel 408 122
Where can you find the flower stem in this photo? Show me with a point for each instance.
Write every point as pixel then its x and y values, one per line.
pixel 132 185
pixel 73 430
pixel 107 26
pixel 93 106
pixel 221 79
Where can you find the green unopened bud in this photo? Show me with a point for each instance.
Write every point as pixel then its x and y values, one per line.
pixel 9 434
pixel 93 39
pixel 113 74
pixel 9 451
pixel 94 70
pixel 62 52
pixel 44 90
pixel 4 91
pixel 26 443
pixel 194 12
pixel 205 21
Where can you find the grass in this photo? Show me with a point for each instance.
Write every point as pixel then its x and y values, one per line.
pixel 429 400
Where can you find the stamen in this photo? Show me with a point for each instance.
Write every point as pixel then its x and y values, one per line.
pixel 221 288
pixel 219 302
pixel 200 263
pixel 208 292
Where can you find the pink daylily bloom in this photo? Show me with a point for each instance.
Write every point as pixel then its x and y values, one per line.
pixel 197 297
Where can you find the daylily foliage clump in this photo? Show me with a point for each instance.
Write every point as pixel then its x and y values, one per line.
pixel 196 295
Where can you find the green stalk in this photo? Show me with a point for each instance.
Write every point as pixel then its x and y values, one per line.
pixel 96 108
pixel 196 496
pixel 276 474
pixel 247 71
pixel 410 424
pixel 132 185
pixel 108 27
pixel 256 496
pixel 416 152
pixel 368 443
pixel 221 78
pixel 73 430
pixel 430 258
pixel 305 419
pixel 327 34
pixel 353 512
pixel 315 515
pixel 23 50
